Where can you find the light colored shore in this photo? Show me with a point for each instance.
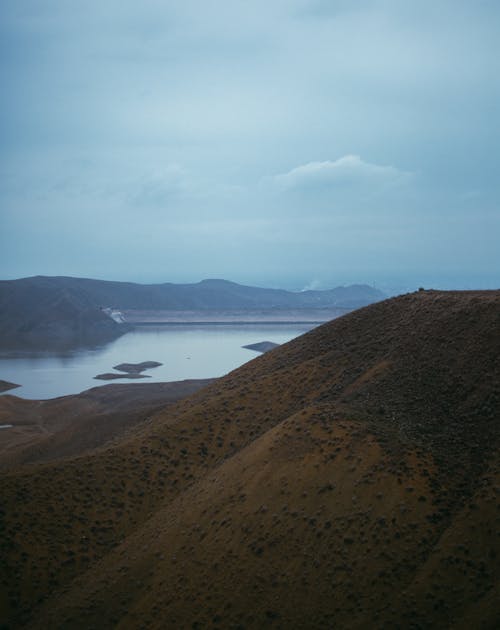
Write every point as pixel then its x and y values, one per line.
pixel 267 316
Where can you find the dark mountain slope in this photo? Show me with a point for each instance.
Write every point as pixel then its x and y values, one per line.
pixel 34 315
pixel 349 478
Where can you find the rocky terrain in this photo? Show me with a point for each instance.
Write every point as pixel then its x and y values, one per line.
pixel 349 478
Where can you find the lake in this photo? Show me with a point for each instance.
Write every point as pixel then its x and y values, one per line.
pixel 186 351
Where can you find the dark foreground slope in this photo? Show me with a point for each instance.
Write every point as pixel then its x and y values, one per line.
pixel 349 478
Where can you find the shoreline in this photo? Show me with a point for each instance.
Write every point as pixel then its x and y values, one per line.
pixel 231 323
pixel 232 317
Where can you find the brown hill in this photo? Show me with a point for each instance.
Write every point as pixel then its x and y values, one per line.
pixel 349 478
pixel 44 430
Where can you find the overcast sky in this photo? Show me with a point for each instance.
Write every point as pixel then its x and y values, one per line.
pixel 276 142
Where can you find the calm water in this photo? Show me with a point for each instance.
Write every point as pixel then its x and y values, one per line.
pixel 186 352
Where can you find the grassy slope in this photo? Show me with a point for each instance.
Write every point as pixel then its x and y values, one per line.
pixel 349 477
pixel 70 425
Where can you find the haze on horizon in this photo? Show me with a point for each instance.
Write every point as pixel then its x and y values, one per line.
pixel 287 143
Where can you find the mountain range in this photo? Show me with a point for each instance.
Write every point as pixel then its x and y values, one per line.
pixel 52 312
pixel 349 478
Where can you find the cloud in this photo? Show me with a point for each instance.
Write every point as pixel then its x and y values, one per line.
pixel 159 122
pixel 348 171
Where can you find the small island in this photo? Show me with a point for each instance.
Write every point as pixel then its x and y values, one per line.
pixel 262 346
pixel 132 370
pixel 110 376
pixel 136 368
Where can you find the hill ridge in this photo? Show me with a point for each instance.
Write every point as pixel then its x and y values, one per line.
pixel 348 477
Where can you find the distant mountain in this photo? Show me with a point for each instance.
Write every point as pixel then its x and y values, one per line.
pixel 57 311
pixel 347 479
pixel 44 315
pixel 207 294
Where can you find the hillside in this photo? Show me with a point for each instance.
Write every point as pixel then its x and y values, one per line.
pixel 44 430
pixel 38 316
pixel 349 478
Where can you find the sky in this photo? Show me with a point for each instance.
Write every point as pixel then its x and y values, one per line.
pixel 285 143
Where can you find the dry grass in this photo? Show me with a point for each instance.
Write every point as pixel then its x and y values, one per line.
pixel 347 479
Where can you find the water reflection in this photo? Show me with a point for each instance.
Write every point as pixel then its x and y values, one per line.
pixel 186 351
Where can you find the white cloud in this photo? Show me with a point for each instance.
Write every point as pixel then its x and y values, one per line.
pixel 345 172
